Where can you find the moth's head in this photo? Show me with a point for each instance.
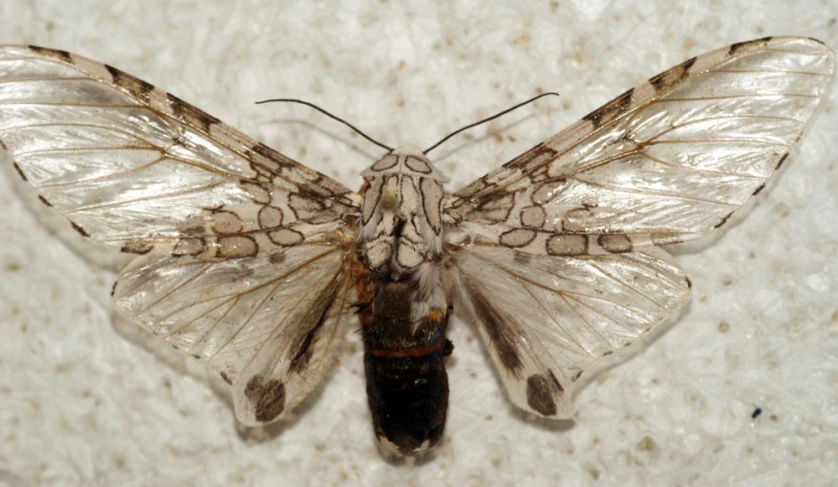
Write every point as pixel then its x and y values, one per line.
pixel 407 160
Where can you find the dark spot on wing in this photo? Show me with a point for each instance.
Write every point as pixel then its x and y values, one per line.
pixel 607 353
pixel 189 246
pixel 137 87
pixel 758 190
pixel 113 288
pixel 301 348
pixel 756 413
pixel 272 155
pixel 540 395
pixel 139 247
pixel 44 200
pixel 522 258
pixel 63 56
pixel 782 160
pixel 19 171
pixel 500 331
pixel 616 244
pixel 671 77
pixel 79 229
pixel 689 282
pixel 226 378
pixel 267 398
pixel 734 48
pixel 191 115
pixel 610 110
pixel 263 151
pixel 723 220
pixel 539 154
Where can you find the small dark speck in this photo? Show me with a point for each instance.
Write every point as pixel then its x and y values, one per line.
pixel 756 413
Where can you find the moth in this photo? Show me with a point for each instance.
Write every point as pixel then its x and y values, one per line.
pixel 257 265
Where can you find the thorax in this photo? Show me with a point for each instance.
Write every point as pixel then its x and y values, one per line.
pixel 401 220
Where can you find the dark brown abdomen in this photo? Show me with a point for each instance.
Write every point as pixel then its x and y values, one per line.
pixel 407 385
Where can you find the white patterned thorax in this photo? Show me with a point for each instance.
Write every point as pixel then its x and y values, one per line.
pixel 401 216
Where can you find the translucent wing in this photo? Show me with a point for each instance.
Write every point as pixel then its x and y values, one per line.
pixel 547 319
pixel 555 251
pixel 664 162
pixel 132 166
pixel 268 324
pixel 244 263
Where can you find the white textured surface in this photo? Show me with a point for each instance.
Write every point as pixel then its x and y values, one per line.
pixel 81 405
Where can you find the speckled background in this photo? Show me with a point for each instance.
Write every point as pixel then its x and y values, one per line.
pixel 83 401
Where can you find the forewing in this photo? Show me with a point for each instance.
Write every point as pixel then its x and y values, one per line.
pixel 268 324
pixel 135 167
pixel 664 162
pixel 545 320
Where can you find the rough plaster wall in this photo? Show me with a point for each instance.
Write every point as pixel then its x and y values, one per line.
pixel 82 405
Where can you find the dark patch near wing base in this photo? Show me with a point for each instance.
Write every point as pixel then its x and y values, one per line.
pixel 301 348
pixel 302 354
pixel 267 398
pixel 498 330
pixel 540 395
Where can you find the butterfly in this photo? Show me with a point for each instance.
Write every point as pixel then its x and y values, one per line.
pixel 258 265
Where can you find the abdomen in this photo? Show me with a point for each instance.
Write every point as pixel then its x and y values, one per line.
pixel 407 385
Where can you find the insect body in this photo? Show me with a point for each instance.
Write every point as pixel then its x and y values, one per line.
pixel 256 265
pixel 400 241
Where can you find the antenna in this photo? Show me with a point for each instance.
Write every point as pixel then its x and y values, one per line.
pixel 333 117
pixel 475 124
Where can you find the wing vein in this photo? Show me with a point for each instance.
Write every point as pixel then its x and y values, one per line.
pixel 279 281
pixel 117 204
pixel 556 321
pixel 652 193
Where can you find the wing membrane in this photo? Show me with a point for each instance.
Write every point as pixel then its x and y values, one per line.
pixel 243 266
pixel 547 319
pixel 667 161
pixel 135 167
pixel 555 251
pixel 268 324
